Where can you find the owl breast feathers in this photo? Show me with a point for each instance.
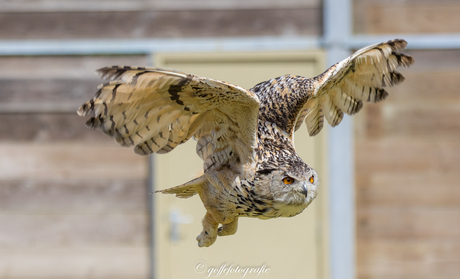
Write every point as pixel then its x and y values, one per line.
pixel 244 137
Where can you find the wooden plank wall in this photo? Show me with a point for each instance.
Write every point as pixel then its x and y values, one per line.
pixel 72 19
pixel 409 16
pixel 408 153
pixel 73 204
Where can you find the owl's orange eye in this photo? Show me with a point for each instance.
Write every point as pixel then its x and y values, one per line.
pixel 288 180
pixel 312 179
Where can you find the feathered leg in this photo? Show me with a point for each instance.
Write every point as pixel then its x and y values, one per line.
pixel 228 229
pixel 209 234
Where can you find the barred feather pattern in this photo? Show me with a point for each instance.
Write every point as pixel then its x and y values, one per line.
pixel 185 190
pixel 344 87
pixel 155 110
pixel 281 99
pixel 244 137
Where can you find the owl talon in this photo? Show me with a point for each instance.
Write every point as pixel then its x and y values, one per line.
pixel 205 239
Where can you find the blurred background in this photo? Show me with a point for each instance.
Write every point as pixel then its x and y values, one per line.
pixel 73 204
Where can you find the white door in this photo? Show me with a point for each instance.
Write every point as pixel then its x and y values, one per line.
pixel 278 248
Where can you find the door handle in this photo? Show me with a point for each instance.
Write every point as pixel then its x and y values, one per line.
pixel 175 219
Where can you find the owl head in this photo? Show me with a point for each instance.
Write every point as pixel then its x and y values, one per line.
pixel 294 186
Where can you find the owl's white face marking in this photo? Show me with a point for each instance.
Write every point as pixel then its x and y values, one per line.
pixel 293 197
pixel 289 192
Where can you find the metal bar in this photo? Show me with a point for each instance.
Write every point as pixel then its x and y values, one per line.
pixel 39 108
pixel 337 34
pixel 148 46
pixel 153 251
pixel 151 203
pixel 415 41
pixel 142 5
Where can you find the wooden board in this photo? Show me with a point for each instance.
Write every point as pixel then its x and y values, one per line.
pixel 79 196
pixel 399 222
pixel 72 230
pixel 390 16
pixel 47 84
pixel 142 5
pixel 407 161
pixel 407 156
pixel 416 189
pixel 74 262
pixel 150 24
pixel 73 203
pixel 425 259
pixel 62 67
pixel 48 127
pixel 70 161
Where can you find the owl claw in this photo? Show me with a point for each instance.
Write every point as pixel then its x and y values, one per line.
pixel 205 239
pixel 209 234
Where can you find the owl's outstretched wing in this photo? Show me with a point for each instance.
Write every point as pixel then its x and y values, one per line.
pixel 155 110
pixel 360 77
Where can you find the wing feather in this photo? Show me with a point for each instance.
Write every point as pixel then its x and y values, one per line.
pixel 346 85
pixel 155 110
pixel 314 119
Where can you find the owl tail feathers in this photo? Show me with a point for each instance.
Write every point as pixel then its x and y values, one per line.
pixel 185 190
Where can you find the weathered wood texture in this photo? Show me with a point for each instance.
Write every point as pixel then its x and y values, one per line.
pixel 74 262
pixel 47 127
pixel 62 195
pixel 83 196
pixel 147 24
pixel 150 5
pixel 407 162
pixel 65 67
pixel 70 161
pixel 425 259
pixel 53 84
pixel 55 230
pixel 73 204
pixel 412 16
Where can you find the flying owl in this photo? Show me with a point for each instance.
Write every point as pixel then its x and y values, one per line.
pixel 244 137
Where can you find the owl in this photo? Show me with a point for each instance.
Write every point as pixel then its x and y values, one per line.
pixel 245 137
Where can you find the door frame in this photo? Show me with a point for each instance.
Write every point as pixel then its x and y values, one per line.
pixel 309 56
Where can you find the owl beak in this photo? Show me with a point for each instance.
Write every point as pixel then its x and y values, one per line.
pixel 305 190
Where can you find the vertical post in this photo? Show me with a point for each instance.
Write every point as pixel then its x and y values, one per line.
pixel 151 203
pixel 151 209
pixel 337 33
